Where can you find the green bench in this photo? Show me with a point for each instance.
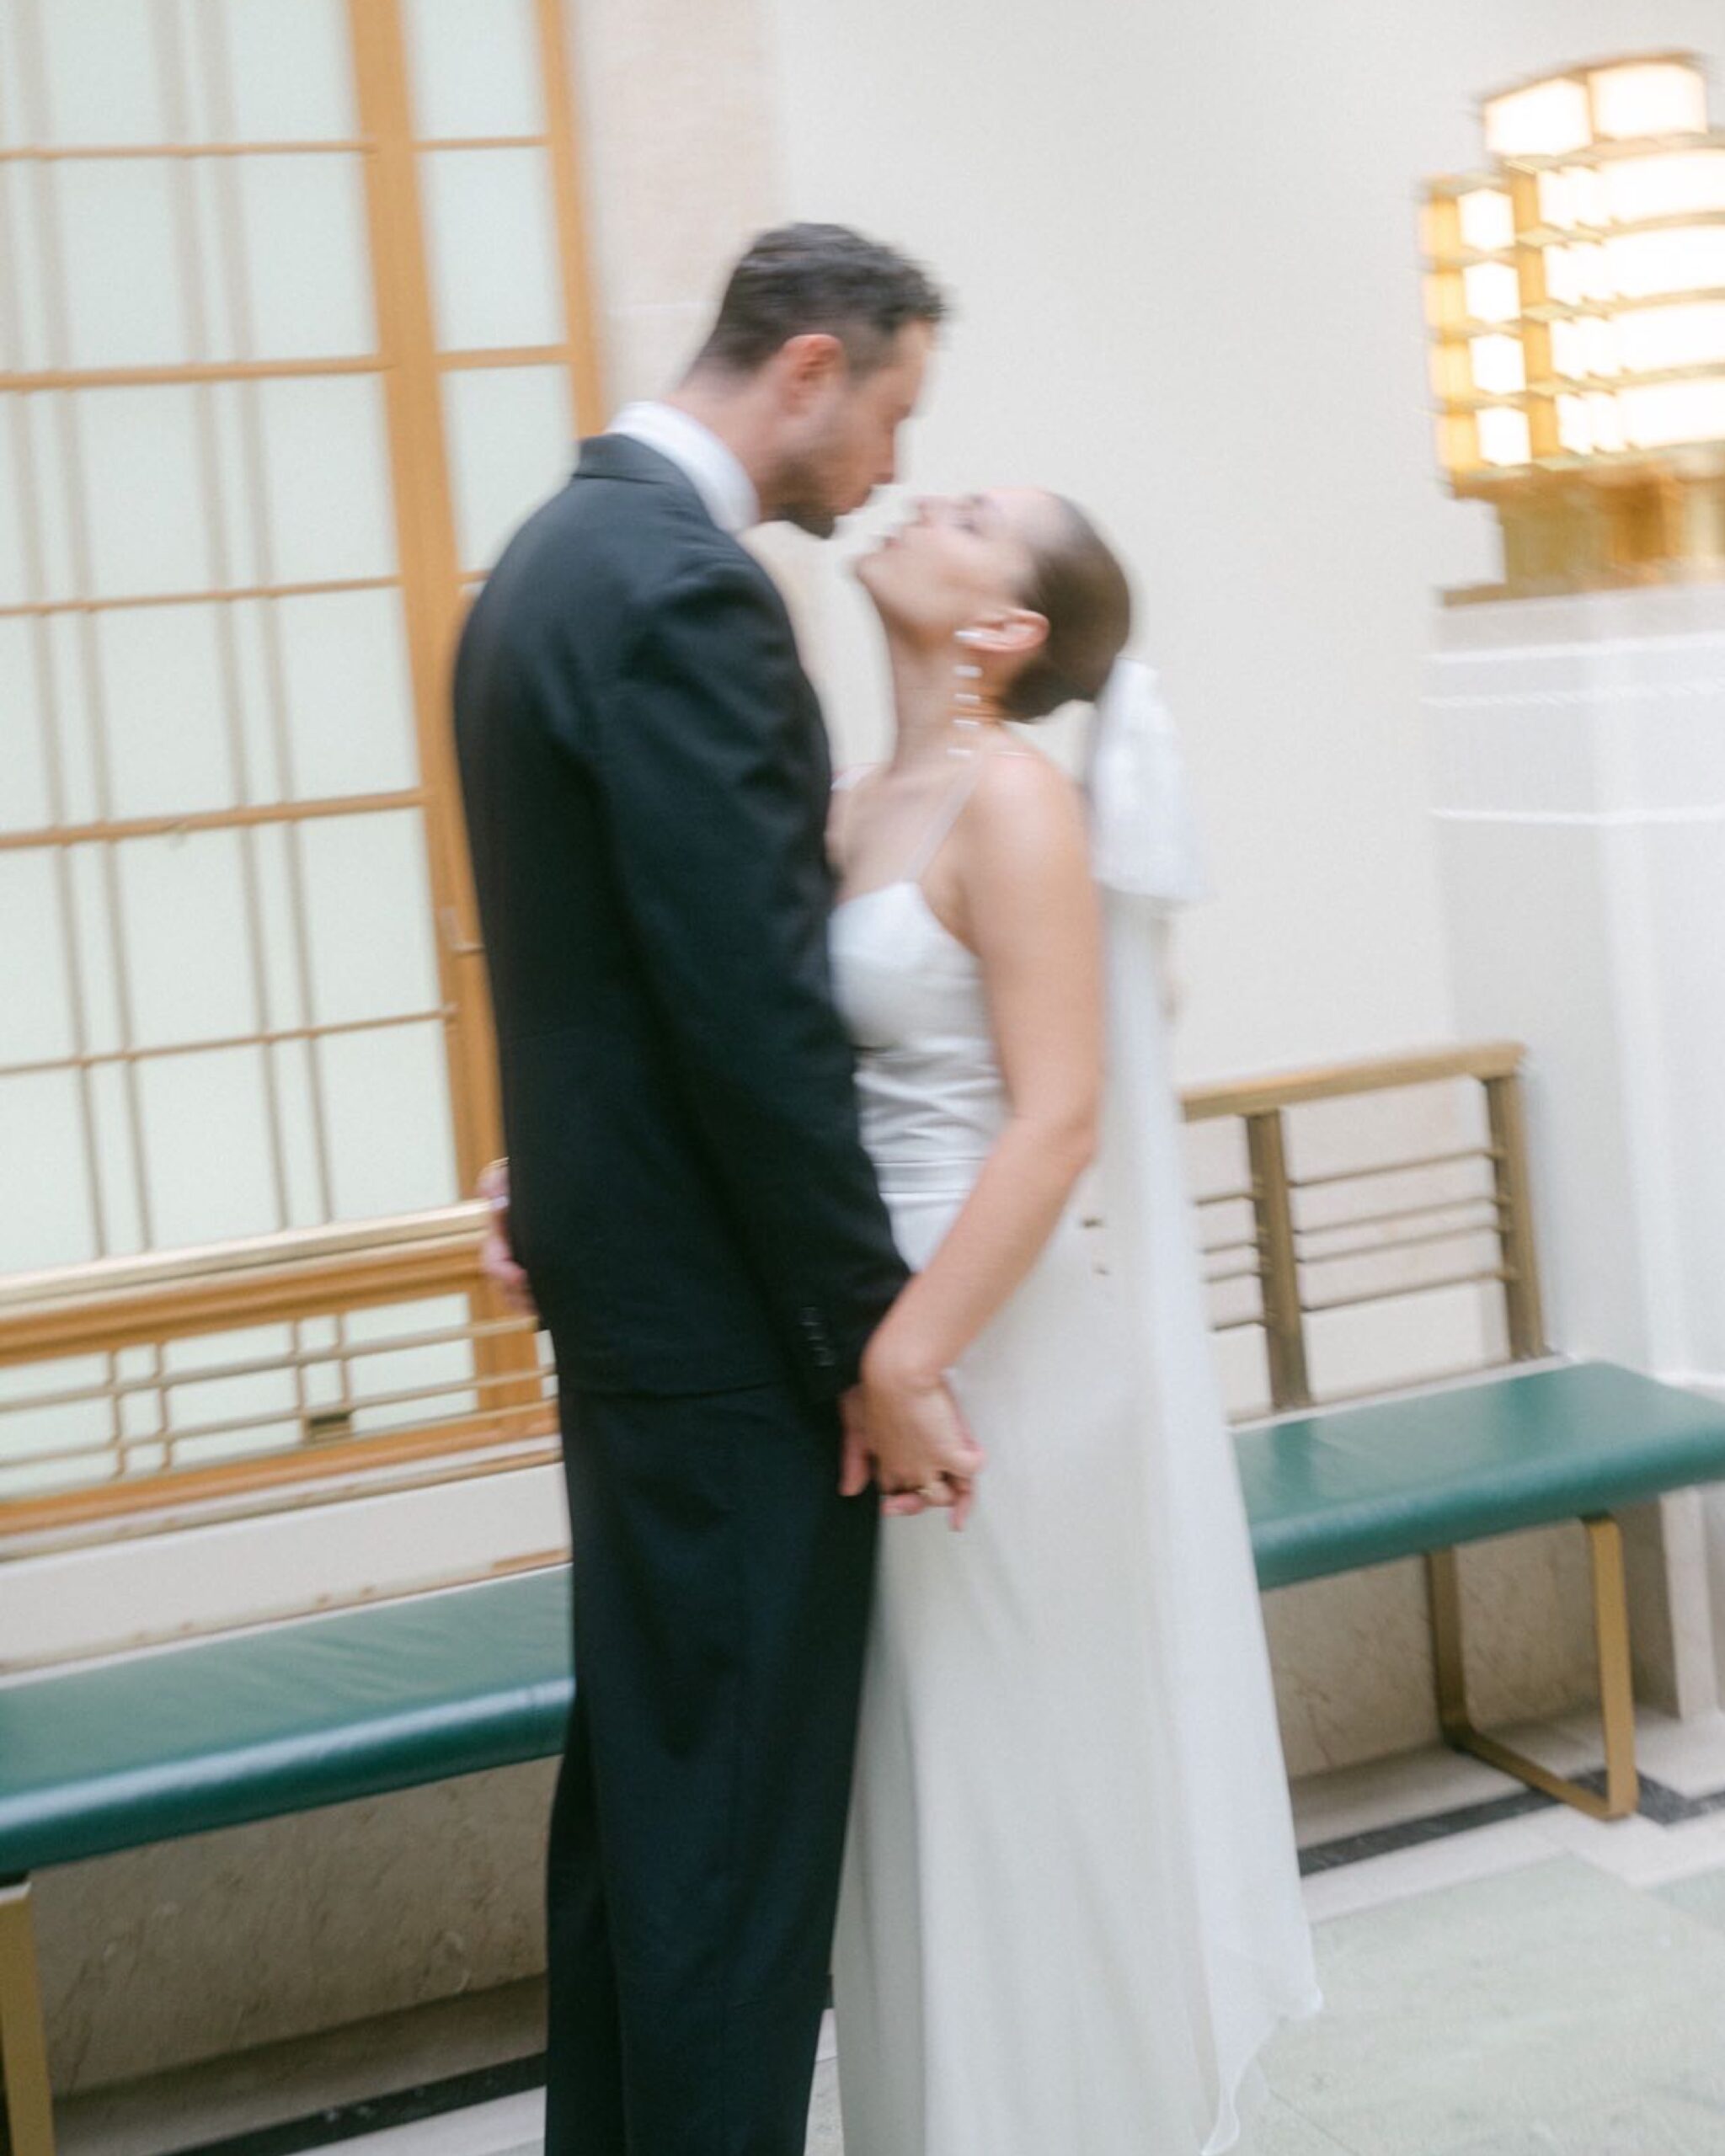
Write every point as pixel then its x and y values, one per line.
pixel 327 1710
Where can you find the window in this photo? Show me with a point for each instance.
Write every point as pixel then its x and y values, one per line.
pixel 295 327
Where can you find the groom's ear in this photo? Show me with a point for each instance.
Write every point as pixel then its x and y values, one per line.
pixel 809 365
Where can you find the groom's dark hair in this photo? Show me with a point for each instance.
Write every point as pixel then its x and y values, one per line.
pixel 800 278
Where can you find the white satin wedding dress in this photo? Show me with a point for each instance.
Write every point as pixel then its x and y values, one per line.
pixel 1070 1913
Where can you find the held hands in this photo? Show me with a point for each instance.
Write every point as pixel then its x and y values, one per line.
pixel 904 1430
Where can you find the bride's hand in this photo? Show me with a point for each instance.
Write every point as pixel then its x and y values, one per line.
pixel 497 1257
pixel 925 1456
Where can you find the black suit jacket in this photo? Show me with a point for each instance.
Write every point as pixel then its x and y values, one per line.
pixel 646 778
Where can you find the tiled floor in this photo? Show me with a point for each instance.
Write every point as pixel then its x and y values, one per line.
pixel 1537 1985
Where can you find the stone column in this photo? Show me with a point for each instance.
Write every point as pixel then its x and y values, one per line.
pixel 1578 780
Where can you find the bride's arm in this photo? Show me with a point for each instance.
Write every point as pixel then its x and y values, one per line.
pixel 1031 913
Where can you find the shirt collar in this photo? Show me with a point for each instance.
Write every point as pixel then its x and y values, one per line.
pixel 713 469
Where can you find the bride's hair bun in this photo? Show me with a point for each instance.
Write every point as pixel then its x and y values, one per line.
pixel 1080 590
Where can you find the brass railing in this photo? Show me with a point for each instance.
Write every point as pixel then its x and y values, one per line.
pixel 242 1374
pixel 1287 1247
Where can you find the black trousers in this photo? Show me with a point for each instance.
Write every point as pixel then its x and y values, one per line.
pixel 721 1604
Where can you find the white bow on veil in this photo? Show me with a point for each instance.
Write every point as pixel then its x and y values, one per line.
pixel 1225 1809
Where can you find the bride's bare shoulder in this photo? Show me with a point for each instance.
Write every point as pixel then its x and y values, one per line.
pixel 1020 787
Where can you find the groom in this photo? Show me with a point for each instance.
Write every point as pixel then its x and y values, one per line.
pixel 646 780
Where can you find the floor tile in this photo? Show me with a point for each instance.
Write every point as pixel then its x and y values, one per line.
pixel 1426 1867
pixel 1686 1756
pixel 1702 1896
pixel 1279 2130
pixel 1558 1986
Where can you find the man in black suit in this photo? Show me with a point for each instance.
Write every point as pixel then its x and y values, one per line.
pixel 646 778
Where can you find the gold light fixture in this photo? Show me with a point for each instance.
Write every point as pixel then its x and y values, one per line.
pixel 1576 298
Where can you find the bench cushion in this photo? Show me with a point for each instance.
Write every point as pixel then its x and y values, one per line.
pixel 1331 1491
pixel 281 1719
pixel 330 1709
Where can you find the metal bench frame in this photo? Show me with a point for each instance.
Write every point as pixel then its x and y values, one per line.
pixel 1262 1106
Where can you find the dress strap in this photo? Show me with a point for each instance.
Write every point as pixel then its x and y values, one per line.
pixel 940 827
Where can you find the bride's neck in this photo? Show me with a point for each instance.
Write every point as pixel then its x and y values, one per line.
pixel 925 685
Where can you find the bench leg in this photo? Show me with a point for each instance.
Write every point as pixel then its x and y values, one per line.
pixel 29 2112
pixel 1622 1790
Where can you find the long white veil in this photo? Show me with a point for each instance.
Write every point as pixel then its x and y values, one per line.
pixel 1225 1813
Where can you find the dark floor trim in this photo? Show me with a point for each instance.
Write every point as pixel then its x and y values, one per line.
pixel 404 2107
pixel 1662 1806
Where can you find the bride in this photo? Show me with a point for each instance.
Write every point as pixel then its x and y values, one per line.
pixel 1070 1913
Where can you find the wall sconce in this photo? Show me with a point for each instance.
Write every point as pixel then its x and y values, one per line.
pixel 1576 299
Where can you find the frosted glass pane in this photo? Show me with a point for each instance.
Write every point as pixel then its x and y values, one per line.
pixel 447 1364
pixel 273 847
pixel 98 979
pixel 24 332
pixel 14 579
pixel 327 480
pixel 116 1160
pixel 35 1011
pixel 187 960
pixel 68 678
pixel 511 443
pixel 307 277
pixel 207 1147
pixel 493 252
pixel 122 262
pixel 200 1401
pixel 168 743
pixel 387 1100
pixel 103 68
pixel 232 416
pixel 368 904
pixel 291 76
pixel 145 508
pixel 475 67
pixel 350 699
pixel 46 1219
pixel 261 753
pixel 296 1121
pixel 43 462
pixel 26 802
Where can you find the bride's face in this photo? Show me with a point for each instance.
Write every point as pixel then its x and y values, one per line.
pixel 960 562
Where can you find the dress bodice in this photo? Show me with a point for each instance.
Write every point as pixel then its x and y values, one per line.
pixel 932 1098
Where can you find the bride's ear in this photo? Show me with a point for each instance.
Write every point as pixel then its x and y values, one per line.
pixel 1018 633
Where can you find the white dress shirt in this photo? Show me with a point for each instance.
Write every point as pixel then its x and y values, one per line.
pixel 712 467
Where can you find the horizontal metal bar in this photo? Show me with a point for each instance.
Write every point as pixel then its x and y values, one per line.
pixel 1343 1080
pixel 219 595
pixel 1432 1239
pixel 1225 1197
pixel 1228 1250
pixel 290 1468
pixel 482 142
pixel 274 1037
pixel 1373 1169
pixel 302 1359
pixel 1239 1273
pixel 489 356
pixel 115 830
pixel 191 373
pixel 1499 1274
pixel 57 153
pixel 1430 1209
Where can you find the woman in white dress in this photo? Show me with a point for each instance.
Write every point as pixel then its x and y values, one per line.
pixel 1071 1912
